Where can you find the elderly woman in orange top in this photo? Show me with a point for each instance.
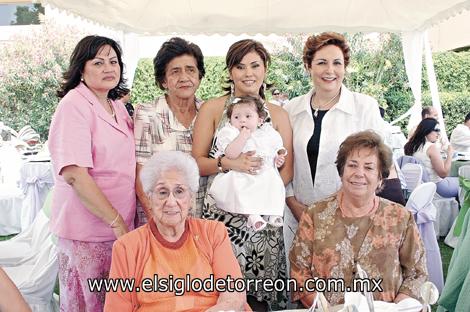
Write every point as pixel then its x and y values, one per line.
pixel 355 226
pixel 173 245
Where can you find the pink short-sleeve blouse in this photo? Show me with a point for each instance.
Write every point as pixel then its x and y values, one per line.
pixel 82 133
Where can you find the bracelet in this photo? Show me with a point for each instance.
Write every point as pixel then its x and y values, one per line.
pixel 114 221
pixel 219 164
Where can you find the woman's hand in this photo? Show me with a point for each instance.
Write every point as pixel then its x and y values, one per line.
pixel 120 227
pixel 279 160
pixel 296 207
pixel 246 162
pixel 450 151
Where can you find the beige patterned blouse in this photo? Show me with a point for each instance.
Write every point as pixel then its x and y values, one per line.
pixel 387 246
pixel 157 129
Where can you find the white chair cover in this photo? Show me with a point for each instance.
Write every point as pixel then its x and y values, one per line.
pixel 21 247
pixel 421 206
pixel 30 260
pixel 447 212
pixel 36 181
pixel 36 277
pixel 11 199
pixel 413 175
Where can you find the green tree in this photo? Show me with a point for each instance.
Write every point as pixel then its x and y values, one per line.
pixel 31 71
pixel 28 15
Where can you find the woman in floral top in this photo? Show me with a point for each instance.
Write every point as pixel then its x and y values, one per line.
pixel 354 226
pixel 167 123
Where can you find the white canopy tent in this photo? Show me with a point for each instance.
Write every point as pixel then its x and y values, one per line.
pixel 410 18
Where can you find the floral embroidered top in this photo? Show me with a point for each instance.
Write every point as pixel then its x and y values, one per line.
pixel 386 245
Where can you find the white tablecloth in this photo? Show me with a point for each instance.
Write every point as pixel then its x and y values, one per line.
pixel 11 199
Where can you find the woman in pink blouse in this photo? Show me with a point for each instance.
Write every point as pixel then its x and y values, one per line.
pixel 93 156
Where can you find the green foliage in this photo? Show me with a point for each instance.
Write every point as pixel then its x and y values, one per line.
pixel 215 79
pixel 287 71
pixel 379 71
pixel 30 75
pixel 28 15
pixel 144 89
pixel 452 71
pixel 32 67
pixel 455 105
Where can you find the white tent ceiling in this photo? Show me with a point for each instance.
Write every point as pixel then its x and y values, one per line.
pixel 262 16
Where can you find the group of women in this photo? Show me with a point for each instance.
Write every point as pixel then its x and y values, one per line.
pixel 167 158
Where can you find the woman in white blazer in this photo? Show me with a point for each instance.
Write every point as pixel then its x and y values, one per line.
pixel 321 120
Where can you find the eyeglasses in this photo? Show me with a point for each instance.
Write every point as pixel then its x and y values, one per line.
pixel 178 192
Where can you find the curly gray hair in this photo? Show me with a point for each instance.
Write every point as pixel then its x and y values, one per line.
pixel 168 160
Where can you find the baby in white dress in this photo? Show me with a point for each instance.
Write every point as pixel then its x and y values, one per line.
pixel 259 195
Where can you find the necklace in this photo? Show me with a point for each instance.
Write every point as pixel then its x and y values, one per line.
pixel 113 113
pixel 348 214
pixel 315 113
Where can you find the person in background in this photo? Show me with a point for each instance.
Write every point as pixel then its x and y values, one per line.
pixel 173 245
pixel 356 227
pixel 422 145
pixel 431 112
pixel 260 254
pixel 276 97
pixel 321 120
pixel 126 100
pixel 93 157
pixel 460 137
pixel 167 123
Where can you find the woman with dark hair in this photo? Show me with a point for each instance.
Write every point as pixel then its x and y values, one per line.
pixel 321 120
pixel 93 157
pixel 422 146
pixel 166 124
pixel 355 227
pixel 260 254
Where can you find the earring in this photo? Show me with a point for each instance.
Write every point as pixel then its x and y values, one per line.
pixel 81 79
pixel 232 89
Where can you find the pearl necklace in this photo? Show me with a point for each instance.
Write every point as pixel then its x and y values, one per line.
pixel 315 113
pixel 113 113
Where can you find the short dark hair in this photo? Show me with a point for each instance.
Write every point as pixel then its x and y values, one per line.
pixel 365 139
pixel 426 111
pixel 418 139
pixel 85 50
pixel 467 118
pixel 172 48
pixel 315 43
pixel 237 52
pixel 259 105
